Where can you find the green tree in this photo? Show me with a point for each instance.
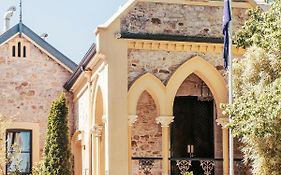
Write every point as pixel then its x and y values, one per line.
pixel 263 29
pixel 261 36
pixel 257 122
pixel 56 159
pixel 256 111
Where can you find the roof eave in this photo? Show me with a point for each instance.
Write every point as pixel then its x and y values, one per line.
pixel 81 67
pixel 49 48
pixel 4 37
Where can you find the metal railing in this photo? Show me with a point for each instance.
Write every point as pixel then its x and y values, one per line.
pixel 185 165
pixel 206 166
pixel 145 164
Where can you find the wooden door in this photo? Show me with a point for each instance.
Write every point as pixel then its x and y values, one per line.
pixel 193 125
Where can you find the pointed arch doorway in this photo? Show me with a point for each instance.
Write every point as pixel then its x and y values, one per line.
pixel 192 132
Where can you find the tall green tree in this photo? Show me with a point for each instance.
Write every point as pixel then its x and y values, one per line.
pixel 57 147
pixel 256 111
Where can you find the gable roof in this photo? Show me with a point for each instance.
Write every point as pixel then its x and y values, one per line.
pixel 23 29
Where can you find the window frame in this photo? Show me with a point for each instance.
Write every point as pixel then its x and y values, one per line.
pixel 30 152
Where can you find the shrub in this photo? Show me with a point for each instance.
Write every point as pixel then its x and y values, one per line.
pixel 56 159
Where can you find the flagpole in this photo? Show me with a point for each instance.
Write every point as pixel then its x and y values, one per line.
pixel 230 101
pixel 230 96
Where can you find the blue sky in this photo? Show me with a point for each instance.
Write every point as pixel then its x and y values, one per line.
pixel 70 24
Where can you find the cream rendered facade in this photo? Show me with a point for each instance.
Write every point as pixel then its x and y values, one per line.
pixel 109 89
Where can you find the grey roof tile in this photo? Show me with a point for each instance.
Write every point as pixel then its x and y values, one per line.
pixel 21 28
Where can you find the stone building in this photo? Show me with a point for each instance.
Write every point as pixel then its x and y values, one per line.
pixel 144 100
pixel 32 74
pixel 147 96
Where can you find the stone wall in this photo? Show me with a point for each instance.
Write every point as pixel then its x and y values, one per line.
pixel 146 134
pixel 194 86
pixel 163 64
pixel 178 19
pixel 29 85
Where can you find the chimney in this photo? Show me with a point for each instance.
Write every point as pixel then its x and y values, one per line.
pixel 7 18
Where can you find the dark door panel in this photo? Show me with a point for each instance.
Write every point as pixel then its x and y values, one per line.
pixel 193 125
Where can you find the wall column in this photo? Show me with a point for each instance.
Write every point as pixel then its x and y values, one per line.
pixel 97 131
pixel 93 161
pixel 87 75
pixel 165 121
pixel 223 121
pixel 131 120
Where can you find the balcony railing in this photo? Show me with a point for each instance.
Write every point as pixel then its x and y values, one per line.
pixel 207 165
pixel 184 165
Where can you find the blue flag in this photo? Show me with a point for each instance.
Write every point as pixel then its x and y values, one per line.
pixel 226 21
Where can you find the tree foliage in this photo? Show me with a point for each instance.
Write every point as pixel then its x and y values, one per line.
pixel 256 121
pixel 262 29
pixel 56 159
pixel 255 71
pixel 256 111
pixel 261 36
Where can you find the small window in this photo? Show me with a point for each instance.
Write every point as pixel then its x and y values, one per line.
pixel 24 51
pixel 18 151
pixel 19 49
pixel 14 51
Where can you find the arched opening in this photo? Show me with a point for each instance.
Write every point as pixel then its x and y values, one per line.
pixel 206 72
pixel 98 107
pixel 76 148
pixel 153 86
pixel 146 135
pixel 195 137
pixel 98 139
